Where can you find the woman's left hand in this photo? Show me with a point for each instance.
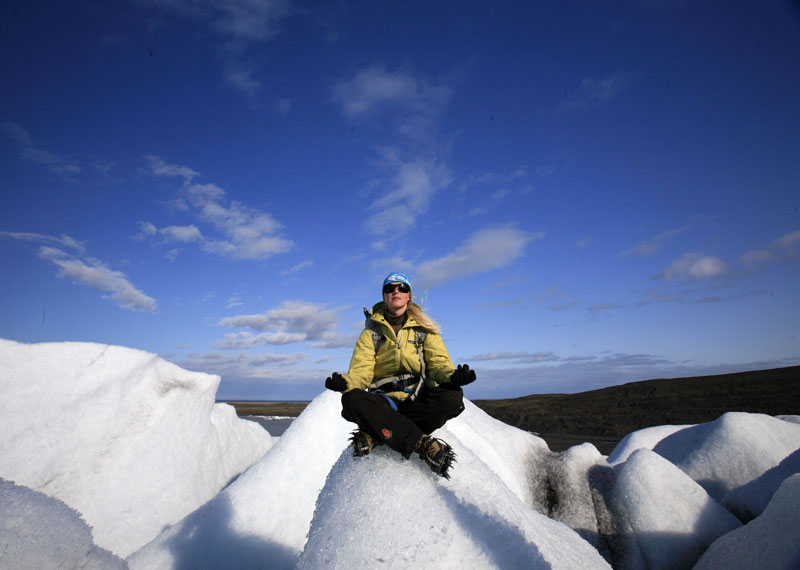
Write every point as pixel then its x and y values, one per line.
pixel 463 375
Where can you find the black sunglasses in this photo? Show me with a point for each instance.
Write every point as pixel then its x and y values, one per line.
pixel 392 287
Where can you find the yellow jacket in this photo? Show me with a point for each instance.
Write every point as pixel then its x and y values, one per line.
pixel 397 354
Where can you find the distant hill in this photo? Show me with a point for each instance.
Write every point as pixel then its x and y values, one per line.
pixel 604 416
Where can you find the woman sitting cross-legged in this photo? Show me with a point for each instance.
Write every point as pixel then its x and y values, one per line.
pixel 402 384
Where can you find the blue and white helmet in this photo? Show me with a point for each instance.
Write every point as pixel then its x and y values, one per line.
pixel 397 278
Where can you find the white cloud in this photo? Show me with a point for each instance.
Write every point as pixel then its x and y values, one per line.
pixel 785 247
pixel 184 234
pixel 292 321
pixel 581 373
pixel 233 302
pixel 518 356
pixel 29 151
pixel 414 170
pixel 410 190
pixel 653 245
pixel 95 274
pixel 146 229
pixel 373 87
pixel 249 20
pixel 789 242
pixel 244 366
pixel 395 263
pixel 239 23
pixel 63 240
pixel 695 266
pixel 484 251
pixel 241 77
pixel 416 103
pixel 494 178
pixel 247 233
pixel 298 267
pixel 596 91
pixel 249 340
pixel 755 257
pixel 600 307
pixel 160 168
pixel 283 106
pixel 16 133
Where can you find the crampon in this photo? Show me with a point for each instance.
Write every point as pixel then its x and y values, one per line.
pixel 362 443
pixel 437 454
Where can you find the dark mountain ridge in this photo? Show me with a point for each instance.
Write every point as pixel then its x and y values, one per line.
pixel 604 416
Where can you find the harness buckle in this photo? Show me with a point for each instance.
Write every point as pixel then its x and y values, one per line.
pixel 401 383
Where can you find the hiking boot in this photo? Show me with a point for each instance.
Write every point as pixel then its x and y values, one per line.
pixel 437 454
pixel 362 443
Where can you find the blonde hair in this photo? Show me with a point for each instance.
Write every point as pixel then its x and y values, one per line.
pixel 423 319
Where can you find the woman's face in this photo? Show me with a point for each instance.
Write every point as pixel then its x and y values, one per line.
pixel 396 300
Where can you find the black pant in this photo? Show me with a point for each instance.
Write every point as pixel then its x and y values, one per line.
pixel 402 429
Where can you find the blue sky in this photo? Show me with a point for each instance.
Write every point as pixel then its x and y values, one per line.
pixel 584 193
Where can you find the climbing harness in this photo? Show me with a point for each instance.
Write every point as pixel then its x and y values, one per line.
pixel 408 383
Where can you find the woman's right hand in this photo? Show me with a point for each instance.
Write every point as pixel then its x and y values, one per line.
pixel 336 382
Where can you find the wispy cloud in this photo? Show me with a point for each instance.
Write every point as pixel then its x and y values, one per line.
pixel 31 152
pixel 374 88
pixel 412 167
pixel 249 340
pixel 283 106
pixel 516 356
pixel 785 247
pixel 755 257
pixel 410 190
pixel 97 275
pixel 694 296
pixel 494 178
pixel 616 358
pixel 182 234
pixel 789 243
pixel 603 307
pixel 695 266
pixel 485 250
pixel 233 302
pixel 249 366
pixel 62 241
pixel 307 264
pixel 160 168
pixel 291 322
pixel 589 372
pixel 241 76
pixel 239 24
pixel 654 244
pixel 413 103
pixel 396 262
pixel 87 271
pixel 247 233
pixel 593 92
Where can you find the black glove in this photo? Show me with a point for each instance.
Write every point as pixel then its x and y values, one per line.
pixel 336 382
pixel 463 375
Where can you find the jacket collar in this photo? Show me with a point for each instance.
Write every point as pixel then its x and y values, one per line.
pixel 378 316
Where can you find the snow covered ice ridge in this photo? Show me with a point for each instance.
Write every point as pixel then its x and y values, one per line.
pixel 131 441
pixel 717 495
